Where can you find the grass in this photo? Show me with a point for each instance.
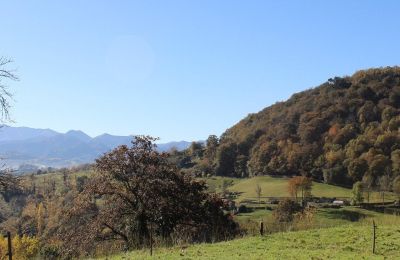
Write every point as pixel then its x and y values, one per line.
pixel 215 183
pixel 57 177
pixel 323 218
pixel 277 187
pixel 344 242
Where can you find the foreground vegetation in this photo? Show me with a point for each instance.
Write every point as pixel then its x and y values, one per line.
pixel 39 214
pixel 344 242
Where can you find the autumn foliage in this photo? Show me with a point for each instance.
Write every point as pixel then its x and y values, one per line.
pixel 300 186
pixel 338 132
pixel 23 248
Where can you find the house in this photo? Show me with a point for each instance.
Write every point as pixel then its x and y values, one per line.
pixel 338 202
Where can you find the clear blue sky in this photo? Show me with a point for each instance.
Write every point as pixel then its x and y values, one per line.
pixel 182 69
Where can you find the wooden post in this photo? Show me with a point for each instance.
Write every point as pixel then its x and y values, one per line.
pixel 151 239
pixel 373 236
pixel 261 228
pixel 9 245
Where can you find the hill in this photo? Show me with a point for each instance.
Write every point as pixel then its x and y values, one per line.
pixel 278 187
pixel 339 132
pixel 29 148
pixel 311 244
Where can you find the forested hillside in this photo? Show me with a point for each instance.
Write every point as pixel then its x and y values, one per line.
pixel 343 131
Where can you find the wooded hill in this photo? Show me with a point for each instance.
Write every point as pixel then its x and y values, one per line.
pixel 339 132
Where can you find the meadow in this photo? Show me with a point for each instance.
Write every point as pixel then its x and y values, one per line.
pixel 278 187
pixel 342 242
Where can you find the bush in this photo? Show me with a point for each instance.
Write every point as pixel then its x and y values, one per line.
pixel 286 210
pixel 50 252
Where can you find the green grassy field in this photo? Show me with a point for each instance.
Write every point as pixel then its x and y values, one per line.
pixel 344 242
pixel 278 187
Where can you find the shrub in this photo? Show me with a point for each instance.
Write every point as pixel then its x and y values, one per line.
pixel 50 252
pixel 286 210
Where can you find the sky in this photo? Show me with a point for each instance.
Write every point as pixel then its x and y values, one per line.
pixel 181 70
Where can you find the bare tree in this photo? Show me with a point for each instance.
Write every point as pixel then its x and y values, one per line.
pixel 258 192
pixel 5 95
pixel 384 186
pixel 368 184
pixel 7 181
pixel 9 184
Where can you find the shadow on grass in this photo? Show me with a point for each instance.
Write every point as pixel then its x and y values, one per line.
pixel 345 215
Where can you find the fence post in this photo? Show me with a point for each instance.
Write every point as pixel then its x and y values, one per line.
pixel 261 228
pixel 9 245
pixel 151 239
pixel 373 236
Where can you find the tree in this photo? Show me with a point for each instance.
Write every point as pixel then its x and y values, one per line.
pixel 368 184
pixel 300 184
pixel 225 158
pixel 241 166
pixel 136 194
pixel 7 181
pixel 379 165
pixel 80 182
pixel 384 185
pixel 195 149
pixel 396 187
pixel 357 197
pixel 5 95
pixel 40 215
pixel 9 184
pixel 293 188
pixel 286 210
pixel 211 147
pixel 395 158
pixel 258 192
pixel 357 168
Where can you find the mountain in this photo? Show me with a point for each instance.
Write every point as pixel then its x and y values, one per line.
pixel 23 133
pixel 29 148
pixel 345 130
pixel 180 146
pixel 77 134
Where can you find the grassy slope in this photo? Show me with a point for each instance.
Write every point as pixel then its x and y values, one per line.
pixel 277 187
pixel 344 242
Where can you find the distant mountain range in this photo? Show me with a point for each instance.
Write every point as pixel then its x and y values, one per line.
pixel 30 148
